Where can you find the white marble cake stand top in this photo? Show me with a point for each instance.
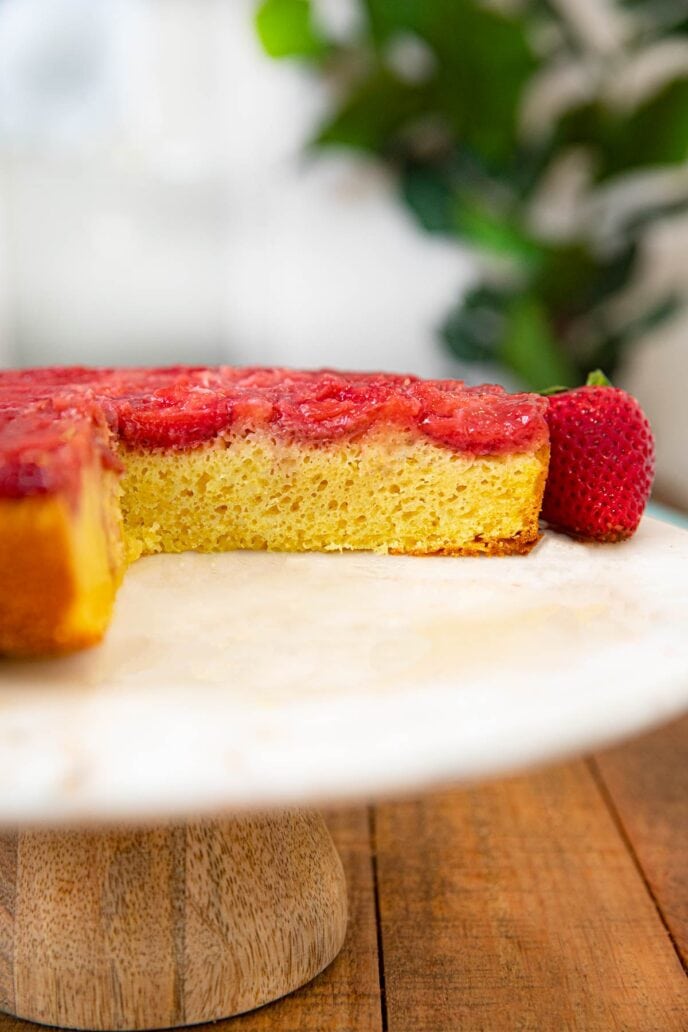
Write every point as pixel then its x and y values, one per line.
pixel 249 680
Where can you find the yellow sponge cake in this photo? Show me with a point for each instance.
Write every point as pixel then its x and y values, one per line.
pixel 99 467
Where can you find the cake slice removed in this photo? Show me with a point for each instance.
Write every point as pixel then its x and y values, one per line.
pixel 220 459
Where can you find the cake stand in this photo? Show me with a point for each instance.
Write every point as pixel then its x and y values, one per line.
pixel 156 867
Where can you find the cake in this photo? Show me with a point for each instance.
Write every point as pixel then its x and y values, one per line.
pixel 101 466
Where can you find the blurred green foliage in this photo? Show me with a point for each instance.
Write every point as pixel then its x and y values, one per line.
pixel 439 90
pixel 285 29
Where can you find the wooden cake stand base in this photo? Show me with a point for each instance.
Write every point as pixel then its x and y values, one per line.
pixel 147 928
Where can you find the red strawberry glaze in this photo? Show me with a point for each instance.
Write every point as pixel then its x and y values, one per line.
pixel 53 420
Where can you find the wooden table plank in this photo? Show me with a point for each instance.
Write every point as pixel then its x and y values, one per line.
pixel 346 997
pixel 648 784
pixel 8 870
pixel 516 906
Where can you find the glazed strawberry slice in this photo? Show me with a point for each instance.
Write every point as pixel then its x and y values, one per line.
pixel 602 461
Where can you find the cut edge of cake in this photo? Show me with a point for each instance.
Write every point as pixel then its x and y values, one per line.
pixel 318 471
pixel 387 492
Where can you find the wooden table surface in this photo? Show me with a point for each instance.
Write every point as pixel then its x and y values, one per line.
pixel 550 902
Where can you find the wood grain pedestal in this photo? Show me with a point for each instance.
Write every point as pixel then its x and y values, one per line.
pixel 150 928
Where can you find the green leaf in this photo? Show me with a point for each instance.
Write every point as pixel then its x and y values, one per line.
pixel 374 114
pixel 285 29
pixel 530 348
pixel 484 62
pixel 443 204
pixel 496 325
pixel 658 18
pixel 493 231
pixel 657 132
pixel 571 279
pixel 653 134
pixel 474 329
pixel 386 17
pixel 430 197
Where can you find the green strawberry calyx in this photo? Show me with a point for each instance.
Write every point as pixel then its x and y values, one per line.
pixel 595 379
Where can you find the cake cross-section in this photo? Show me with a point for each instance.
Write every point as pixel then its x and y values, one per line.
pixel 101 466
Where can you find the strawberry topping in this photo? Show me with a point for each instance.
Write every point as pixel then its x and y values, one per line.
pixel 52 419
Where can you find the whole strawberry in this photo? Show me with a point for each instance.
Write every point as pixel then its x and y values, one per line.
pixel 602 462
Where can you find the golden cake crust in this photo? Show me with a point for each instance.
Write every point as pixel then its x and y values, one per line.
pixel 60 566
pixel 37 577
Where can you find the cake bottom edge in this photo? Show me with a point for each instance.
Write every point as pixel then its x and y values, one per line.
pixel 520 544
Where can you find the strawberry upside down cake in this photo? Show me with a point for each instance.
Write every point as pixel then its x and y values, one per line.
pixel 100 466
